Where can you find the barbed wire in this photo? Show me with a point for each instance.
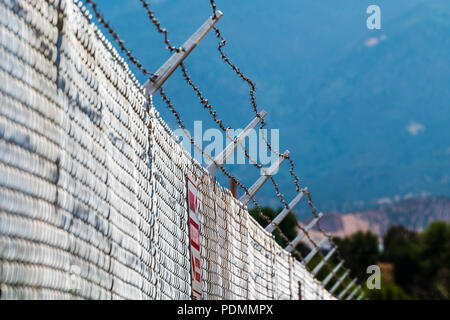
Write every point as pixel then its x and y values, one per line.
pixel 287 157
pixel 321 230
pixel 286 205
pixel 279 195
pixel 214 8
pixel 240 74
pixel 167 100
pixel 119 41
pixel 158 26
pixel 225 58
pixel 247 155
pixel 220 166
pixel 282 200
pixel 213 113
pixel 324 233
pixel 205 102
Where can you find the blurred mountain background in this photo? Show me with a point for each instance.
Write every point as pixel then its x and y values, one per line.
pixel 414 214
pixel 365 113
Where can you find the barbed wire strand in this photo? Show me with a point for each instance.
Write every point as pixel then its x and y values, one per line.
pixel 213 113
pixel 222 43
pixel 158 26
pixel 256 204
pixel 119 41
pixel 203 100
pixel 169 104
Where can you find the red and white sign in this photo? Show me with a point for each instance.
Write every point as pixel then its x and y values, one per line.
pixel 194 235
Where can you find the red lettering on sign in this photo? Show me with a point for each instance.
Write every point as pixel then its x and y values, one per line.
pixel 192 202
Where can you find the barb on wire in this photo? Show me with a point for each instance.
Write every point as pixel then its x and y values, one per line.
pixel 203 100
pixel 225 58
pixel 186 132
pixel 186 76
pixel 119 41
pixel 158 26
pixel 222 43
pixel 287 157
pixel 214 8
pixel 213 113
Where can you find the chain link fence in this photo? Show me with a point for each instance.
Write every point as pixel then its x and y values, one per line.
pixel 93 182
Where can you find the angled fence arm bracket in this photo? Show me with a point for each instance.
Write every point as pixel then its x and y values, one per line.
pixel 321 264
pixel 313 252
pixel 332 273
pixel 225 154
pixel 259 183
pixel 290 247
pixel 165 71
pixel 280 217
pixel 336 285
pixel 342 294
pixel 350 297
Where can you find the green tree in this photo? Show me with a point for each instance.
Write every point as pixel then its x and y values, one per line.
pixel 421 261
pixel 288 226
pixel 435 261
pixel 388 291
pixel 402 249
pixel 359 251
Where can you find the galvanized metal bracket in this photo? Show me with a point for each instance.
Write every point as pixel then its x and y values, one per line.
pixel 280 217
pixel 350 297
pixel 313 252
pixel 320 265
pixel 342 294
pixel 332 273
pixel 165 71
pixel 336 285
pixel 290 247
pixel 225 154
pixel 259 183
